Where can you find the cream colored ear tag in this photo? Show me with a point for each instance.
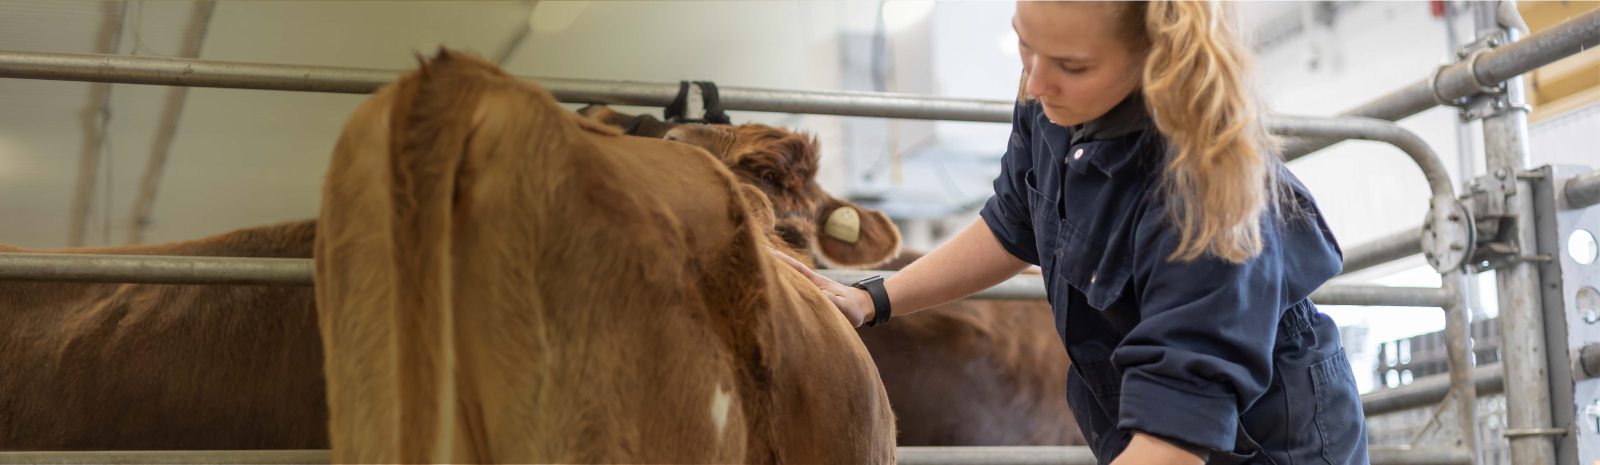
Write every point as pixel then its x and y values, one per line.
pixel 843 224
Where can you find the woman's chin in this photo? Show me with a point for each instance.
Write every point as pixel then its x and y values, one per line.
pixel 1062 118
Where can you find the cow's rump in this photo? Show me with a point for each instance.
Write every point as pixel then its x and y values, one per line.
pixel 501 280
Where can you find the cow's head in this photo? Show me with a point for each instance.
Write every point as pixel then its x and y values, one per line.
pixel 641 125
pixel 783 165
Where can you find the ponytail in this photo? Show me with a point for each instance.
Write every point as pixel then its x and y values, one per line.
pixel 1220 174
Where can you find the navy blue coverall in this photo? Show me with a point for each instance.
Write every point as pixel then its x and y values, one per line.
pixel 1231 361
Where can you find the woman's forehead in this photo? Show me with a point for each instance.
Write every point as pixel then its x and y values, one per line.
pixel 1066 29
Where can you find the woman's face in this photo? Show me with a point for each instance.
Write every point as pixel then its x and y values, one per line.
pixel 1076 63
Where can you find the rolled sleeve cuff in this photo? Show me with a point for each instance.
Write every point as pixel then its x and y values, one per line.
pixel 1009 234
pixel 1157 408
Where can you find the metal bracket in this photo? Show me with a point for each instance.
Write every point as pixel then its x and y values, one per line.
pixel 1491 98
pixel 1448 235
pixel 1487 197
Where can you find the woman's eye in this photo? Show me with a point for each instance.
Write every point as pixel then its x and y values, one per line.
pixel 1072 69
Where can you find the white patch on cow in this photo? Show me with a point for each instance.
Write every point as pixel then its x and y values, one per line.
pixel 719 409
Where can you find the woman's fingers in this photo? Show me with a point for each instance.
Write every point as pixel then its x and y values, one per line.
pixel 820 281
pixel 838 294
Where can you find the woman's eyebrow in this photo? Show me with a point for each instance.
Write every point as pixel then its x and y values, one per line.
pixel 1068 59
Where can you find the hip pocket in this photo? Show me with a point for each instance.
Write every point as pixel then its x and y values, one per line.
pixel 1338 416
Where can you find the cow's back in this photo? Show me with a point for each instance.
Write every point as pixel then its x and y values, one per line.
pixel 975 373
pixel 151 366
pixel 564 294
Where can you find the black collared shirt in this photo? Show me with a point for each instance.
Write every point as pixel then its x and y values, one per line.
pixel 1230 357
pixel 1127 117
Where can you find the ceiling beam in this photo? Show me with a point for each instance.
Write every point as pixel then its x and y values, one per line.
pixel 96 116
pixel 194 37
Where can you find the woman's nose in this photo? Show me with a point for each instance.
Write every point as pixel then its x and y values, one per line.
pixel 1037 83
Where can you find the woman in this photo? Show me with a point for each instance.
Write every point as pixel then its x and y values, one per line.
pixel 1179 253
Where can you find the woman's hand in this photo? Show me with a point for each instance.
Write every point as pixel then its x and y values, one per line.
pixel 1145 449
pixel 854 303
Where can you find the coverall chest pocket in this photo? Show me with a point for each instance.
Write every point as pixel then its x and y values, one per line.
pixel 1090 266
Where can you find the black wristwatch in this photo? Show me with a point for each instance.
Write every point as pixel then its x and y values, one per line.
pixel 880 299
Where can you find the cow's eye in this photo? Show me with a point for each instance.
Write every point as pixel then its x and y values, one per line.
pixel 792 236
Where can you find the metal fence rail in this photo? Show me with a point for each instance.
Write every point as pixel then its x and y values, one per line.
pixel 154 269
pixel 1429 390
pixel 1383 250
pixel 1453 82
pixel 122 69
pixel 149 269
pixel 1038 455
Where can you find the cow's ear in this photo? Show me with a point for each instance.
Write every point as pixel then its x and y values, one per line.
pixel 856 237
pixel 757 207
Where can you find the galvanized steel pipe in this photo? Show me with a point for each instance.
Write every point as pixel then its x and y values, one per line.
pixel 1027 455
pixel 154 269
pixel 159 457
pixel 124 69
pixel 1588 366
pixel 1350 127
pixel 1383 250
pixel 1582 190
pixel 1429 390
pixel 1035 455
pixel 1575 35
pixel 1458 349
pixel 1524 340
pixel 297 272
pixel 1385 296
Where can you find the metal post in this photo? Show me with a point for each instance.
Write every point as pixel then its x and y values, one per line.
pixel 1522 331
pixel 1457 321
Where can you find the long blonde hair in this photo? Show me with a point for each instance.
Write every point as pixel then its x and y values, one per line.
pixel 1220 174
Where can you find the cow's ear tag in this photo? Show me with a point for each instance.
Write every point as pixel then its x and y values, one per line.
pixel 843 224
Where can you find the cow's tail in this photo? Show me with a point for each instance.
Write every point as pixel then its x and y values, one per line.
pixel 384 270
pixel 426 137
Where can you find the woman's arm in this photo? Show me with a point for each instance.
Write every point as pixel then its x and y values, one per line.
pixel 970 262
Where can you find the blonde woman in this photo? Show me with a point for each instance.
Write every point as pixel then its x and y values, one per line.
pixel 1178 252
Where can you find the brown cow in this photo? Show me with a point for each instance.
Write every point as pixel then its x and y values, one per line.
pixel 500 280
pixel 968 373
pixel 975 373
pixel 633 125
pixel 153 367
pixel 142 366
